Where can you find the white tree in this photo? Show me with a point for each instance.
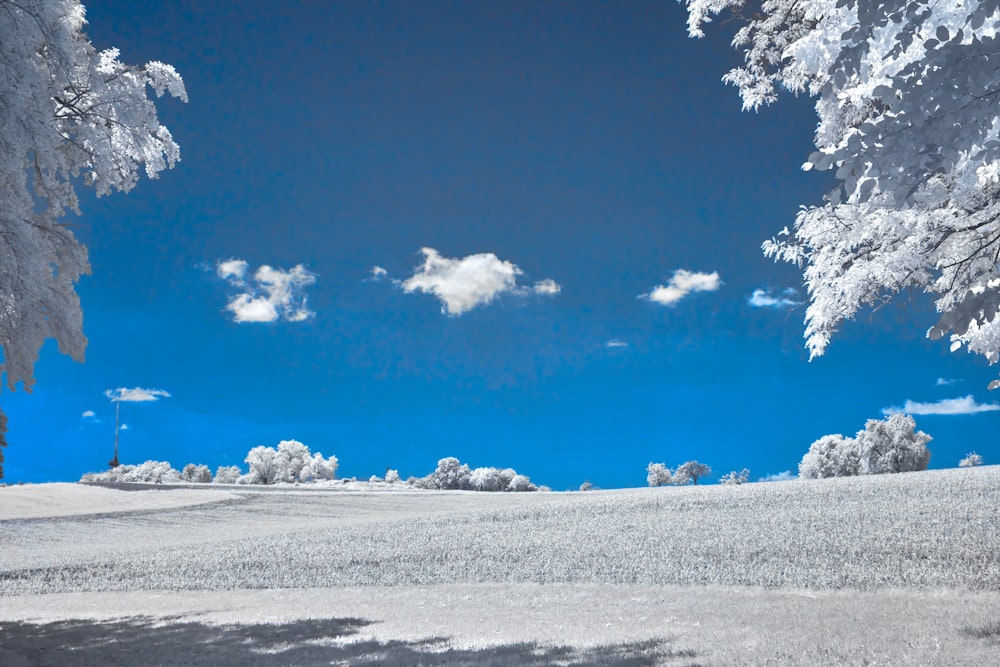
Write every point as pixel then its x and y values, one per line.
pixel 892 445
pixel 831 456
pixel 293 458
pixel 691 471
pixel 658 474
pixel 887 445
pixel 322 468
pixel 905 97
pixel 392 476
pixel 971 460
pixel 199 474
pixel 227 475
pixel 735 478
pixel 265 467
pixel 69 115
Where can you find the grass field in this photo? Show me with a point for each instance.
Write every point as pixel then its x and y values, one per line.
pixel 895 569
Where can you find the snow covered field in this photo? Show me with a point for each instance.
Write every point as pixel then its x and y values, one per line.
pixel 894 569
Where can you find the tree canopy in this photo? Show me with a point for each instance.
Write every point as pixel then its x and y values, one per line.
pixel 907 96
pixel 69 115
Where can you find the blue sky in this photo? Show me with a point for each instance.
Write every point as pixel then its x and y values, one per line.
pixel 590 144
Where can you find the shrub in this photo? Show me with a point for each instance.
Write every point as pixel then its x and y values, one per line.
pixel 199 474
pixel 227 475
pixel 392 476
pixel 971 460
pixel 150 472
pixel 734 477
pixel 830 456
pixel 452 474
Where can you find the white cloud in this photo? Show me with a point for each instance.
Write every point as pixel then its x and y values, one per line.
pixel 135 395
pixel 232 269
pixel 378 273
pixel 681 284
pixel 475 280
pixel 947 406
pixel 785 476
pixel 123 427
pixel 89 414
pixel 944 382
pixel 548 287
pixel 270 295
pixel 615 342
pixel 762 298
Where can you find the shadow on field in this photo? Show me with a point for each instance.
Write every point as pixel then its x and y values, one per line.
pixel 153 642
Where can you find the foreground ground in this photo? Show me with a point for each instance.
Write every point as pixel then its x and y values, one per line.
pixel 900 569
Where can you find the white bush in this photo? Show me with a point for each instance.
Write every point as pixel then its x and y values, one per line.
pixel 658 474
pixel 150 472
pixel 227 475
pixel 971 460
pixel 392 476
pixel 734 477
pixel 830 456
pixel 452 474
pixel 323 468
pixel 200 474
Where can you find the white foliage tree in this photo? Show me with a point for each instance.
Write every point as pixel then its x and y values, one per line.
pixel 293 458
pixel 691 471
pixel 265 467
pixel 658 474
pixel 971 460
pixel 887 445
pixel 831 456
pixel 892 445
pixel 392 476
pixel 69 115
pixel 199 474
pixel 227 475
pixel 906 93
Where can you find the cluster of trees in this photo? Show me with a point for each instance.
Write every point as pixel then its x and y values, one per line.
pixel 884 446
pixel 452 474
pixel 658 474
pixel 291 461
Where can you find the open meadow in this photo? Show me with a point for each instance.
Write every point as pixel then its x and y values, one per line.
pixel 879 570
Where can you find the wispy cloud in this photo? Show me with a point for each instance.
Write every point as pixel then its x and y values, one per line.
pixel 465 283
pixel 948 406
pixel 682 283
pixel 616 342
pixel 135 395
pixel 268 295
pixel 946 382
pixel 377 273
pixel 89 414
pixel 762 298
pixel 547 287
pixel 785 476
